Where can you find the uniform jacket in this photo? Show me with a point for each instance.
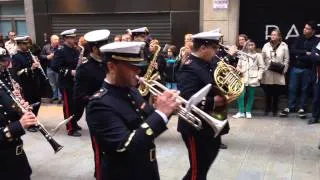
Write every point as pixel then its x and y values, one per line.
pixel 28 79
pixel 280 56
pixel 125 127
pixel 193 76
pixel 252 69
pixel 65 60
pixel 89 78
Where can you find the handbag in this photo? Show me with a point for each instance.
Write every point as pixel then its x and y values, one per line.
pixel 276 67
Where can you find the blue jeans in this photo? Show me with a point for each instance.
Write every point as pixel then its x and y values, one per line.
pixel 171 85
pixel 53 80
pixel 316 101
pixel 300 79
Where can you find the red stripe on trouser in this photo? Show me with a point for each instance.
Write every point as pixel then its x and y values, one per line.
pixel 194 163
pixel 66 106
pixel 97 158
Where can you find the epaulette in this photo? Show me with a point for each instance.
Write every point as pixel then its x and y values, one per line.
pixel 84 60
pixel 99 94
pixel 188 61
pixel 60 47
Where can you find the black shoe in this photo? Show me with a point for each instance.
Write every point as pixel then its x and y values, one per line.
pixel 223 146
pixel 78 127
pixel 32 129
pixel 313 121
pixel 74 134
pixel 302 114
pixel 284 113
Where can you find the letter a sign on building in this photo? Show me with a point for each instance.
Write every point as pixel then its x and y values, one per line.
pixel 220 4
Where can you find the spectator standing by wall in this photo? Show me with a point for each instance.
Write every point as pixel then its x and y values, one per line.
pixel 252 70
pixel 274 51
pixel 301 72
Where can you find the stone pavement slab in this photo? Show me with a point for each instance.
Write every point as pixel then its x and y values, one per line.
pixel 262 148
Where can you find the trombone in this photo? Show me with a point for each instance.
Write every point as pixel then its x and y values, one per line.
pixel 190 113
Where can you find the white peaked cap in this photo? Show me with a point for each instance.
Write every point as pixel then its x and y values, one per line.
pixel 97 35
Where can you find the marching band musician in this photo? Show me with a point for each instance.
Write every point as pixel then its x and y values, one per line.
pixel 141 35
pixel 194 74
pixel 124 124
pixel 64 63
pixel 160 62
pixel 27 73
pixel 89 76
pixel 14 163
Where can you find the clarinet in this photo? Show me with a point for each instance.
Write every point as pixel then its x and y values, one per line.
pixel 54 144
pixel 35 59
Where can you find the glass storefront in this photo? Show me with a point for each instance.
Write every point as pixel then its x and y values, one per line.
pixel 12 18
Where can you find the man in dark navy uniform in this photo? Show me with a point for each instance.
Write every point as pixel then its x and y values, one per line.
pixel 196 73
pixel 123 123
pixel 141 35
pixel 27 73
pixel 65 63
pixel 14 163
pixel 90 75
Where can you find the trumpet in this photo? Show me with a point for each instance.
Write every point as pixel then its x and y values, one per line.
pixel 190 113
pixel 239 52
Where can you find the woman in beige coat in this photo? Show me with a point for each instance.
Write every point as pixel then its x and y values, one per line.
pixel 252 70
pixel 273 82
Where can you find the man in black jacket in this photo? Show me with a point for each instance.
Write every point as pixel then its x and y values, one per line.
pixel 301 72
pixel 65 63
pixel 46 56
pixel 124 125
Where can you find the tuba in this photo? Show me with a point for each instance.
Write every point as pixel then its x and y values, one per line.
pixel 151 74
pixel 228 80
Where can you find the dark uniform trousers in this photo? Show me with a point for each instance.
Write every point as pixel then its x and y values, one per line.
pixel 65 60
pixel 14 163
pixel 89 78
pixel 125 127
pixel 202 146
pixel 28 79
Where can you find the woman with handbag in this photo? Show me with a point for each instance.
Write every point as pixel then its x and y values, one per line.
pixel 252 70
pixel 275 54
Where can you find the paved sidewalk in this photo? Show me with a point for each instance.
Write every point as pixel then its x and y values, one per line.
pixel 260 148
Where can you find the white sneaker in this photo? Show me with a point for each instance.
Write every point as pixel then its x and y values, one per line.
pixel 248 115
pixel 239 115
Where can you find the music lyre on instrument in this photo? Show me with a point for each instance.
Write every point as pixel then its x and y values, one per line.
pixel 190 113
